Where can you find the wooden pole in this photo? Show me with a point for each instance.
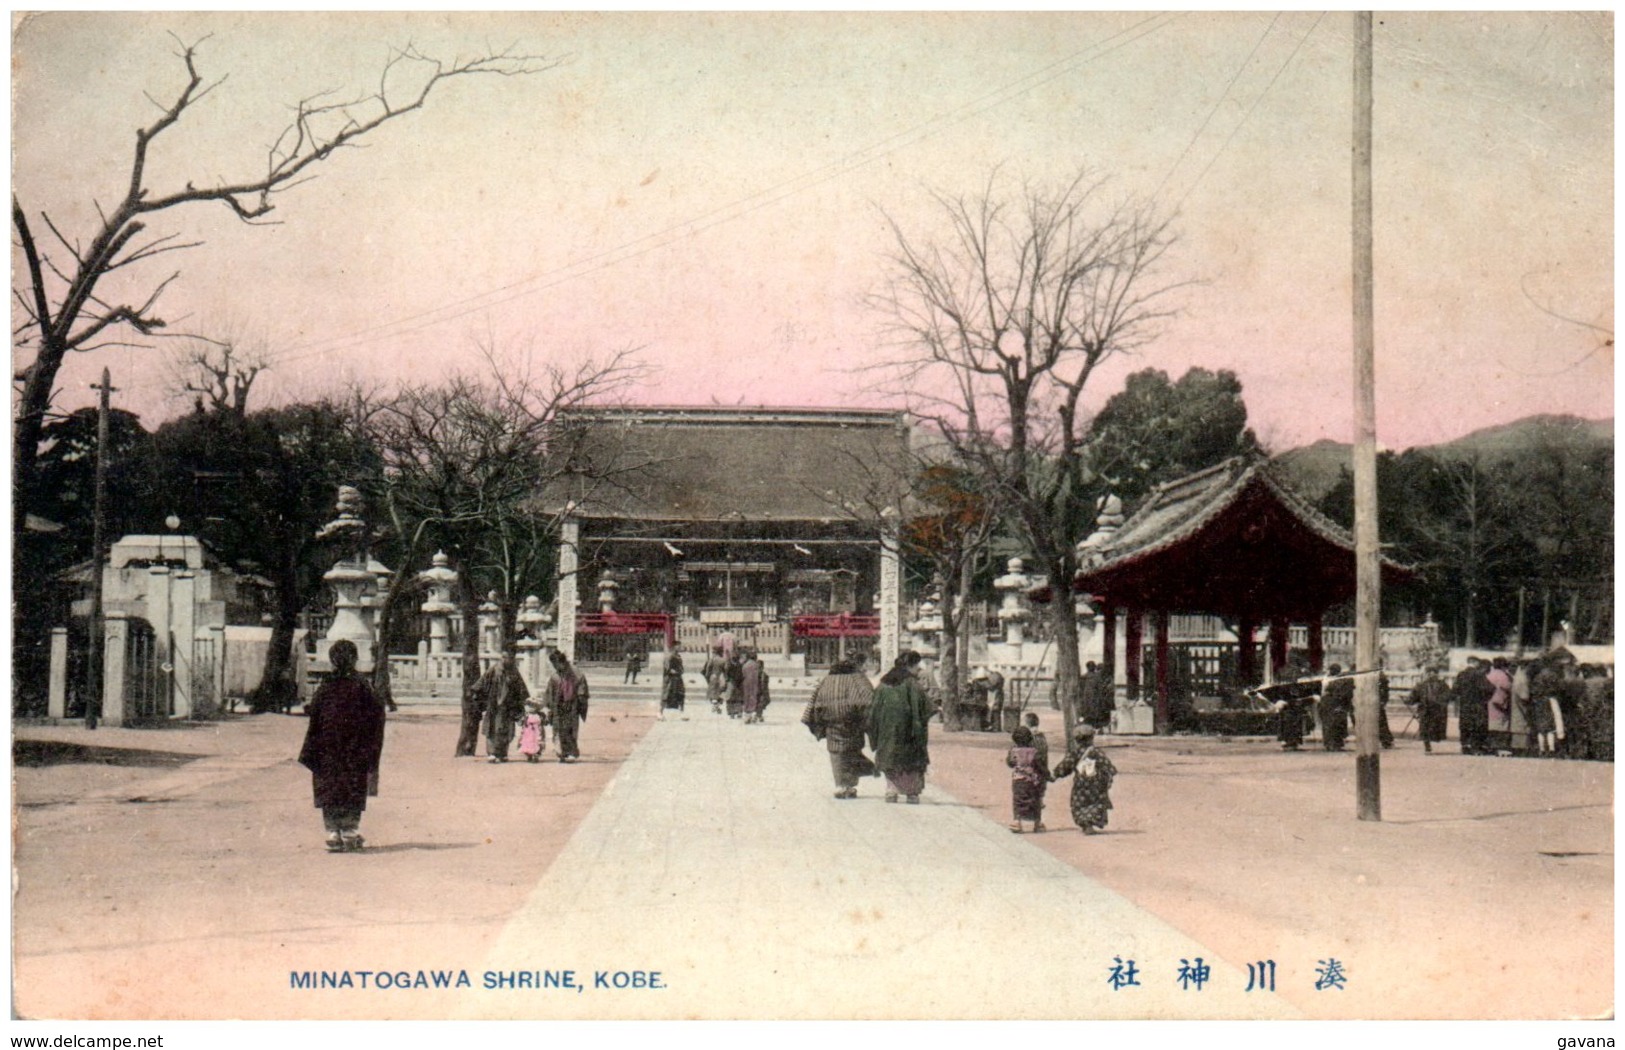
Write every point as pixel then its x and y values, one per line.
pixel 98 541
pixel 1367 553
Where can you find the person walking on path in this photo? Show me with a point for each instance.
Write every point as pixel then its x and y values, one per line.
pixel 1092 782
pixel 1498 726
pixel 753 685
pixel 1471 691
pixel 733 693
pixel 634 664
pixel 1431 696
pixel 1029 776
pixel 566 705
pixel 838 714
pixel 502 694
pixel 343 745
pixel 672 690
pixel 715 673
pixel 899 727
pixel 1336 703
pixel 1095 701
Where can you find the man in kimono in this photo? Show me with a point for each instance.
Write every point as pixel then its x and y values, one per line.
pixel 501 694
pixel 566 705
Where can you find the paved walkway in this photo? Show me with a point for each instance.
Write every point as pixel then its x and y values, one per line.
pixel 719 858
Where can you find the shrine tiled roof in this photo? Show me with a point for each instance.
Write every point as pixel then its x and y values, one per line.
pixel 746 464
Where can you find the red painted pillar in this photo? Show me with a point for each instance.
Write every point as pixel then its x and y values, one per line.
pixel 1246 657
pixel 1132 644
pixel 1279 643
pixel 1317 645
pixel 1162 723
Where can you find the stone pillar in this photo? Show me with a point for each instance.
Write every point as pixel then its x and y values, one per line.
pixel 115 636
pixel 57 698
pixel 569 585
pixel 1133 641
pixel 160 614
pixel 891 597
pixel 182 621
pixel 218 633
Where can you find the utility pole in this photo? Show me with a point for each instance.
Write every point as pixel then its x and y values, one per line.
pixel 1367 552
pixel 98 538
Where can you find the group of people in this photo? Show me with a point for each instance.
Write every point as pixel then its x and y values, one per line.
pixel 1550 706
pixel 736 681
pixel 893 720
pixel 501 703
pixel 1329 701
pixel 344 740
pixel 1030 777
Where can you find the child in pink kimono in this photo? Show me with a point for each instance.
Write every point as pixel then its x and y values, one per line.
pixel 532 736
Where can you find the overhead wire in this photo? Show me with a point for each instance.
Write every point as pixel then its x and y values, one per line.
pixel 1246 116
pixel 732 211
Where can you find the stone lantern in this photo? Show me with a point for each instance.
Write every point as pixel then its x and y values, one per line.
pixel 351 578
pixel 925 631
pixel 1015 609
pixel 608 588
pixel 490 625
pixel 439 607
pixel 532 621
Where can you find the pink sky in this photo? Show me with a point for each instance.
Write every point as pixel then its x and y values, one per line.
pixel 711 187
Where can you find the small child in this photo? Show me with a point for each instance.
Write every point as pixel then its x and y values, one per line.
pixel 1029 776
pixel 532 738
pixel 1040 741
pixel 1091 788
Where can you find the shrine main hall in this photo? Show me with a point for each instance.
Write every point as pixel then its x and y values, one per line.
pixel 682 524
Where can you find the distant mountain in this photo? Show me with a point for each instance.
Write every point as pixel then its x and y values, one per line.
pixel 1314 469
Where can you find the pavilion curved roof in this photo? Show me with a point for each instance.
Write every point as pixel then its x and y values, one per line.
pixel 1234 539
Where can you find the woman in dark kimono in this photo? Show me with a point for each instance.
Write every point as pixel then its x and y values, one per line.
pixel 837 714
pixel 899 727
pixel 343 744
pixel 672 690
pixel 733 695
pixel 1092 785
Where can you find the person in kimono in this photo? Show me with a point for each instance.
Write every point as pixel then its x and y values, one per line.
pixel 1092 775
pixel 566 705
pixel 1029 776
pixel 899 728
pixel 343 745
pixel 838 714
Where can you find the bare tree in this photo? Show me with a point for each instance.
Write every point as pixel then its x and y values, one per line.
pixel 947 520
pixel 464 461
pixel 999 322
pixel 217 375
pixel 59 303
